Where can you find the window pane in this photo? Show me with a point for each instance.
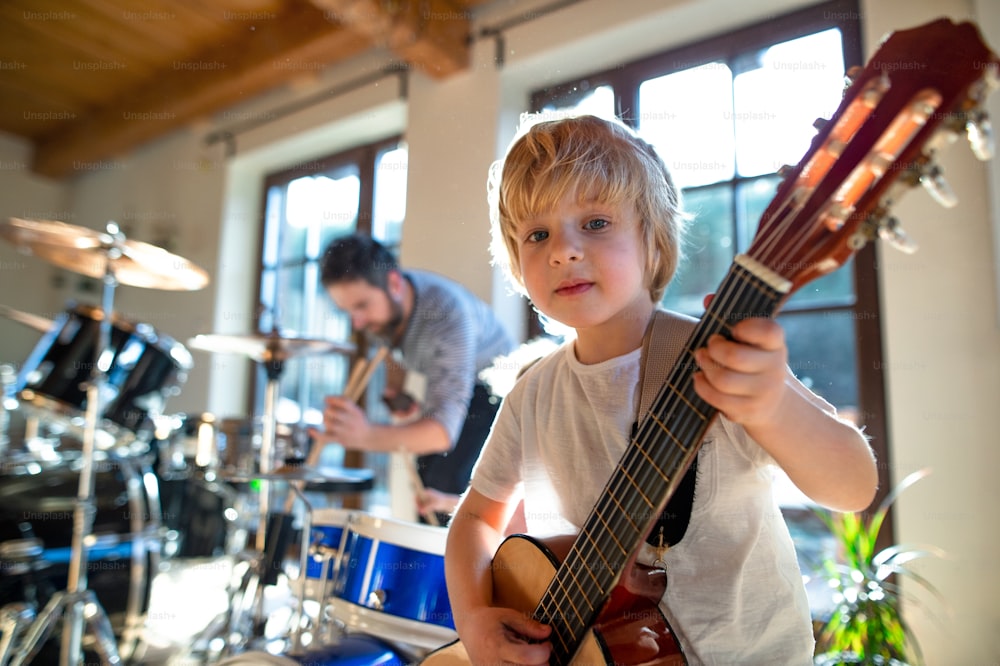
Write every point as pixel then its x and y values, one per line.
pixel 752 198
pixel 834 289
pixel 300 211
pixel 268 295
pixel 389 207
pixel 272 225
pixel 289 302
pixel 338 200
pixel 776 102
pixel 822 353
pixel 687 116
pixel 599 102
pixel 708 249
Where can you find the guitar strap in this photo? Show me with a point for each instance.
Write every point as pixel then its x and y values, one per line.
pixel 662 345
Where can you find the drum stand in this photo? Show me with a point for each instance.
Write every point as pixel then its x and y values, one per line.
pixel 78 604
pixel 244 619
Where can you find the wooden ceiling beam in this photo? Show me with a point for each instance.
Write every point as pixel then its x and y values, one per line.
pixel 235 70
pixel 432 35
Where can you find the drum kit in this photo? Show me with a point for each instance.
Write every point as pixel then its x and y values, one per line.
pixel 82 525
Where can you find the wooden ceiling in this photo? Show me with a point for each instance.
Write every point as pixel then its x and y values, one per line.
pixel 85 80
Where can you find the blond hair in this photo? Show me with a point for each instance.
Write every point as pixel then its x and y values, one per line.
pixel 598 160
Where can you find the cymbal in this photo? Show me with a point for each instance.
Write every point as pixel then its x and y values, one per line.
pixel 34 321
pixel 309 475
pixel 267 348
pixel 93 253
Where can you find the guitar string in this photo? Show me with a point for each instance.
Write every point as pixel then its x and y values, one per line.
pixel 659 477
pixel 632 482
pixel 652 477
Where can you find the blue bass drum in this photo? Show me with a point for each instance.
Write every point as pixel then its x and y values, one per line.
pixel 390 582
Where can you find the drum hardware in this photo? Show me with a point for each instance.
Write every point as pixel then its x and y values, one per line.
pixel 7 379
pixel 15 618
pixel 271 351
pixel 246 617
pixel 243 623
pixel 114 260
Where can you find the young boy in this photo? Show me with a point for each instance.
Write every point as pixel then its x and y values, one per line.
pixel 588 222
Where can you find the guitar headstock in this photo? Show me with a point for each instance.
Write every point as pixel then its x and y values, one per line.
pixel 921 89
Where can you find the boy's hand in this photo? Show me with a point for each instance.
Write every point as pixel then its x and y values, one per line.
pixel 744 378
pixel 501 636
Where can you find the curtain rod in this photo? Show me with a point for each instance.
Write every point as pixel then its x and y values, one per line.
pixel 496 31
pixel 228 135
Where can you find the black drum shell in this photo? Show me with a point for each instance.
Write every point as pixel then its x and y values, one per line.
pixel 146 369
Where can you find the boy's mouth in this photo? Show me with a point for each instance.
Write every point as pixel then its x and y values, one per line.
pixel 573 287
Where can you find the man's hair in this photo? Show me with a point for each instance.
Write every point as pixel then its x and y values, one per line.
pixel 356 257
pixel 600 160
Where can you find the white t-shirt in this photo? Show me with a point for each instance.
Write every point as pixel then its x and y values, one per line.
pixel 734 591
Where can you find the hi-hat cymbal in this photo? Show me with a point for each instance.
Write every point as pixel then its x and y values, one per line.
pixel 267 348
pixel 34 321
pixel 93 253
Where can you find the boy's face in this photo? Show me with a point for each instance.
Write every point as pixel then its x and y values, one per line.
pixel 583 263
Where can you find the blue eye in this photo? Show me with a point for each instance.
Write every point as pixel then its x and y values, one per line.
pixel 598 223
pixel 536 236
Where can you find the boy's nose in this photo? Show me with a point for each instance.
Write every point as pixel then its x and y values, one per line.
pixel 565 249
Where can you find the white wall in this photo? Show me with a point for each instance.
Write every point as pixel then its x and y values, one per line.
pixel 942 347
pixel 940 314
pixel 26 284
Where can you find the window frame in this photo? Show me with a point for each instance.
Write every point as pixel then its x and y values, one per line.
pixel 366 158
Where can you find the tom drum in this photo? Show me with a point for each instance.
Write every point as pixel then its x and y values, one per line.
pixel 144 370
pixel 391 583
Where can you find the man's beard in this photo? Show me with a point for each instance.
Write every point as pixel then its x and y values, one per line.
pixel 390 330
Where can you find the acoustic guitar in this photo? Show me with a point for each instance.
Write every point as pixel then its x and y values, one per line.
pixel 921 88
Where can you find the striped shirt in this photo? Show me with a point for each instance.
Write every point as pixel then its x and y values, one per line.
pixel 451 336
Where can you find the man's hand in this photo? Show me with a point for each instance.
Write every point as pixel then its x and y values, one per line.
pixel 344 423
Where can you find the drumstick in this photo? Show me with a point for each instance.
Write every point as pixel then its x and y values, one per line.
pixel 418 485
pixel 361 374
pixel 355 392
pixel 357 382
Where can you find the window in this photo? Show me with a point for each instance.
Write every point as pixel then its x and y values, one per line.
pixel 725 115
pixel 307 206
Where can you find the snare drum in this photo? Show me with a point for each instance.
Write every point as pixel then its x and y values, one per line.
pixel 146 368
pixel 391 583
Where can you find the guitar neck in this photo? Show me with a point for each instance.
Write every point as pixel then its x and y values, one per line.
pixel 652 466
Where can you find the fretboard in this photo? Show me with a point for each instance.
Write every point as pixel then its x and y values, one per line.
pixel 665 443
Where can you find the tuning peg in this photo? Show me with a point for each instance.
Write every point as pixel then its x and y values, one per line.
pixel 933 180
pixel 892 232
pixel 852 75
pixel 820 123
pixel 980 133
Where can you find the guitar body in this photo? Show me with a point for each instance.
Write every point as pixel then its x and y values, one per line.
pixel 630 630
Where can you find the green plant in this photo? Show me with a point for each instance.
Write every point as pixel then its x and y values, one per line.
pixel 866 626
